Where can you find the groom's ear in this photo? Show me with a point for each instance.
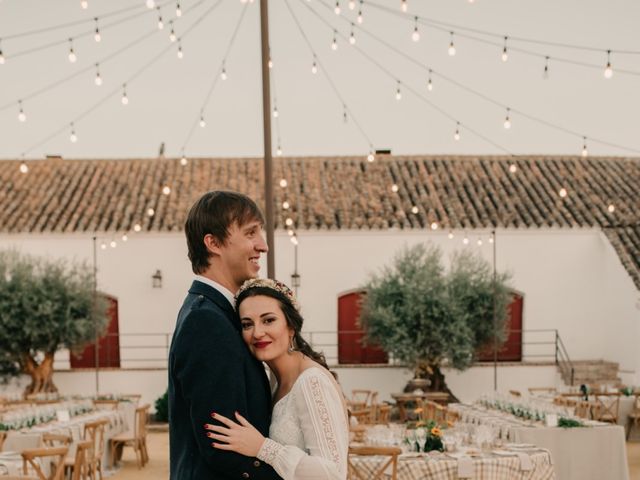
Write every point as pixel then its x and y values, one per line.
pixel 212 244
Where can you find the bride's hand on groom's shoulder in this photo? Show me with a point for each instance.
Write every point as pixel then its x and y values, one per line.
pixel 241 437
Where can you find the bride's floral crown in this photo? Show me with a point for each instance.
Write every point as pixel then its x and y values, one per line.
pixel 279 287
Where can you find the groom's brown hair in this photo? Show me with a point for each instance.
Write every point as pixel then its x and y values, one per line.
pixel 213 214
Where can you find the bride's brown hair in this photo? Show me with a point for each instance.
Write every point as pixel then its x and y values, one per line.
pixel 289 307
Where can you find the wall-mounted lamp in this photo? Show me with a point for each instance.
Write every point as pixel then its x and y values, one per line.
pixel 157 279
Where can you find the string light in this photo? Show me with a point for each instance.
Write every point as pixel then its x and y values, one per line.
pixel 334 43
pixel 276 114
pixel 585 152
pixel 72 55
pixel 125 237
pixel 285 205
pixel 294 240
pixel 394 188
pixel 103 246
pixel 352 37
pixel 611 208
pixel 434 225
pixel 414 209
pixel 98 79
pixel 562 192
pixel 180 53
pixel 283 183
pixel 314 66
pixel 545 73
pixel 223 73
pixel 22 117
pixel 124 99
pixel 96 36
pixel 337 7
pixel 73 137
pixel 151 212
pixel 172 34
pixel 491 238
pixel 513 168
pixel 479 242
pixel 178 10
pixel 151 4
pixel 371 157
pixel 290 232
pixel 137 227
pixel 84 4
pixel 415 36
pixel 505 55
pixel 288 222
pixel 202 122
pixel 352 4
pixel 24 168
pixel 113 244
pixel 279 151
pixel 270 63
pixel 507 120
pixel 608 71
pixel 403 5
pixel 166 190
pixel 160 22
pixel 429 82
pixel 183 160
pixel 345 117
pixel 452 47
pixel 465 240
pixel 398 92
pixel 450 236
pixel 456 136
pixel 360 18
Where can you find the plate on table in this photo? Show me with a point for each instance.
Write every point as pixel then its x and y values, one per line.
pixel 520 446
pixel 504 453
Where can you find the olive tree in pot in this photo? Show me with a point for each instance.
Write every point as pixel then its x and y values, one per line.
pixel 45 305
pixel 428 317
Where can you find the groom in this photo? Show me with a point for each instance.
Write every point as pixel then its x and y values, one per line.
pixel 210 367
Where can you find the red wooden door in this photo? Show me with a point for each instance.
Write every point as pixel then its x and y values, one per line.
pixel 350 335
pixel 109 351
pixel 511 350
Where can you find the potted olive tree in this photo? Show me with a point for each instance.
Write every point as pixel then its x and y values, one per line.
pixel 428 317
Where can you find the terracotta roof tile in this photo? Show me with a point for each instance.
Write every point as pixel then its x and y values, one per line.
pixel 335 193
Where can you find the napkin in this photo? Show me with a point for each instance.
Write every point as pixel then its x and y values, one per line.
pixel 525 462
pixel 465 467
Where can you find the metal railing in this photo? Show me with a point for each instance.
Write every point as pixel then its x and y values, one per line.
pixel 151 350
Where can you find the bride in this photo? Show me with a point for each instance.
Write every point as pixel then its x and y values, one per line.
pixel 309 433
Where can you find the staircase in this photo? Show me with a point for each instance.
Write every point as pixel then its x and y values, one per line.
pixel 591 372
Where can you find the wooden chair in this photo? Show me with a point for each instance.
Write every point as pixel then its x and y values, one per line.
pixel 3 435
pixel 32 458
pixel 515 393
pixel 634 417
pixel 538 390
pixel 53 440
pixel 382 413
pixel 94 434
pixel 136 438
pixel 106 404
pixel 363 415
pixel 360 399
pixel 451 417
pixel 366 471
pixel 80 467
pixel 607 407
pixel 132 397
pixel 584 409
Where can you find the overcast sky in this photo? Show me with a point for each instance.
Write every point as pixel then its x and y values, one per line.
pixel 166 98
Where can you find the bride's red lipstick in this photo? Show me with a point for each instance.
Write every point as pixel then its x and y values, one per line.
pixel 261 344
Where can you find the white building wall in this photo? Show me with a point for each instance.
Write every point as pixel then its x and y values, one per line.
pixel 571 280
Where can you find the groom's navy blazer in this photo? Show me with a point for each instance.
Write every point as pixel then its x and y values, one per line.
pixel 212 370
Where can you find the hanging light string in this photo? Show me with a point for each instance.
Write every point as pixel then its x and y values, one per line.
pixel 118 89
pixel 86 33
pixel 276 111
pixel 214 82
pixel 488 99
pixel 449 28
pixel 328 77
pixel 443 112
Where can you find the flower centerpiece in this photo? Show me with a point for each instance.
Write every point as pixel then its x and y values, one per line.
pixel 425 437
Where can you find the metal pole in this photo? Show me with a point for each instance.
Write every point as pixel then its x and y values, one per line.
pixel 266 118
pixel 495 316
pixel 95 321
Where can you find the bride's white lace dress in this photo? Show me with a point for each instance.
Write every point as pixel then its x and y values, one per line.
pixel 309 434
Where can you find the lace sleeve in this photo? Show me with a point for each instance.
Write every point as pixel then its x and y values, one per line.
pixel 318 405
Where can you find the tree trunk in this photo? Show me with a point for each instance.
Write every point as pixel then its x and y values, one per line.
pixel 438 383
pixel 41 374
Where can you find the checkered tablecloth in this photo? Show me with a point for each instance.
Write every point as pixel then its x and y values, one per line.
pixel 443 467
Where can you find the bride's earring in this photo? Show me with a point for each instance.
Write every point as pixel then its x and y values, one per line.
pixel 291 348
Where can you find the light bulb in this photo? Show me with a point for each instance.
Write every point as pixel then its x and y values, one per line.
pixel 223 74
pixel 113 244
pixel 97 37
pixel 360 18
pixel 178 10
pixel 394 188
pixel 545 73
pixel 398 93
pixel 124 99
pixel 270 64
pixel 290 232
pixel 172 36
pixel 314 68
pixel 72 55
pixel 491 239
pixel 183 161
pixel 430 85
pixel 352 4
pixel 562 192
pixel 450 236
pixel 352 39
pixel 22 117
pixel 103 246
pixel 279 151
pixel 403 5
pixel 202 122
pixel 125 237
pixel 2 60
pixel 371 157
pixel 505 55
pixel 98 79
pixel 415 36
pixel 507 121
pixel 334 44
pixel 465 240
pixel 84 4
pixel 24 168
pixel 456 136
pixel 151 4
pixel 608 71
pixel 137 227
pixel 513 168
pixel 479 242
pixel 166 190
pixel 414 209
pixel 611 208
pixel 151 212
pixel 73 137
pixel 288 222
pixel 283 183
pixel 336 9
pixel 434 225
pixel 294 240
pixel 585 152
pixel 452 50
pixel 285 205
pixel 276 114
pixel 160 24
pixel 180 53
